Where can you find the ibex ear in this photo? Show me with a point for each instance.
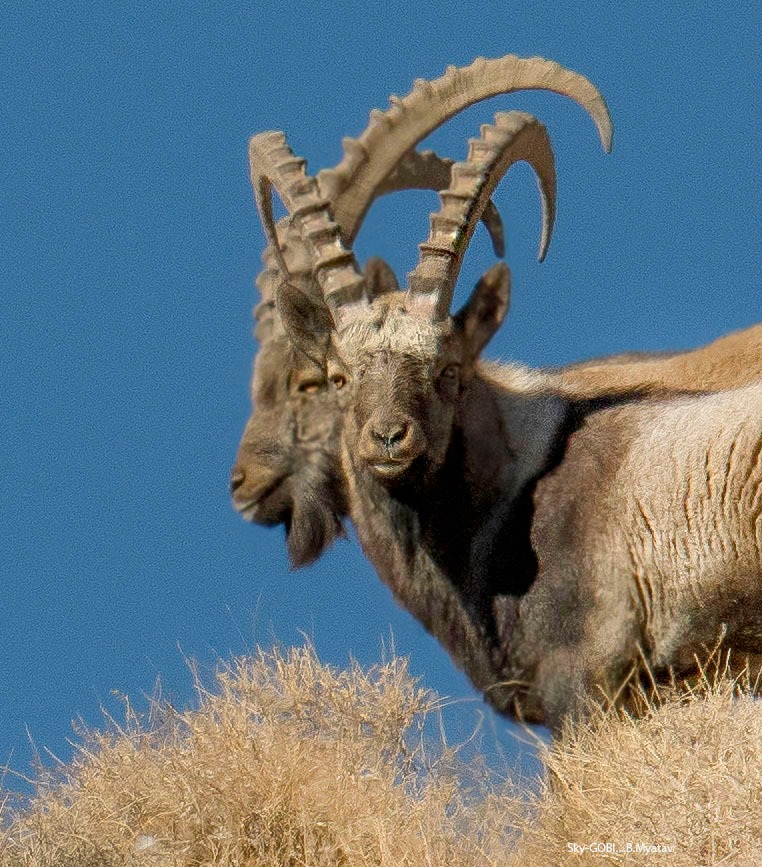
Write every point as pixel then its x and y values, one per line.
pixel 307 323
pixel 485 310
pixel 379 277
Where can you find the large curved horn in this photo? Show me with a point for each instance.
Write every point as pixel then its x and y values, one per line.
pixel 515 136
pixel 369 159
pixel 272 163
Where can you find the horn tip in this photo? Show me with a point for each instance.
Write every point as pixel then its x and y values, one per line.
pixel 605 129
pixel 542 252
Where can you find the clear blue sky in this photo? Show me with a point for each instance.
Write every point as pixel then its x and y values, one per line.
pixel 130 241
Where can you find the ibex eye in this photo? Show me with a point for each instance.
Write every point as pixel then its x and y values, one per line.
pixel 338 381
pixel 450 372
pixel 310 386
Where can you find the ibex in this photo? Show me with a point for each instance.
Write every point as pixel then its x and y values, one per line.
pixel 425 425
pixel 276 473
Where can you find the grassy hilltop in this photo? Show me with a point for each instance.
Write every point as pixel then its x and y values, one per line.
pixel 290 762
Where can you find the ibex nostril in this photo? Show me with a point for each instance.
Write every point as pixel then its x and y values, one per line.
pixel 392 435
pixel 237 478
pixel 396 435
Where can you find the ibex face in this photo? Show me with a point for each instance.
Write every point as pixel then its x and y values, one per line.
pixel 401 370
pixel 398 416
pixel 287 468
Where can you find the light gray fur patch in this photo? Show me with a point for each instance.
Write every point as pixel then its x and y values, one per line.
pixel 388 325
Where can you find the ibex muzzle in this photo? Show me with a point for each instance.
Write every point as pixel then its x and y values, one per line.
pixel 258 478
pixel 390 436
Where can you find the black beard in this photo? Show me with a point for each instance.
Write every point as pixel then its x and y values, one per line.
pixel 315 521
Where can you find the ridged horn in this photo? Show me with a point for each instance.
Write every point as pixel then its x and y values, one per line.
pixel 369 159
pixel 273 163
pixel 515 136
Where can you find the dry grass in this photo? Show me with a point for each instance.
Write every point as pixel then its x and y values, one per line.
pixel 289 762
pixel 684 772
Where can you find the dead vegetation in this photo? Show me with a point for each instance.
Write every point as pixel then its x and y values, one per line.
pixel 678 783
pixel 290 762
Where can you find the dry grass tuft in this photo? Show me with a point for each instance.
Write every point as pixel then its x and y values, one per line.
pixel 287 762
pixel 683 772
pixel 290 762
